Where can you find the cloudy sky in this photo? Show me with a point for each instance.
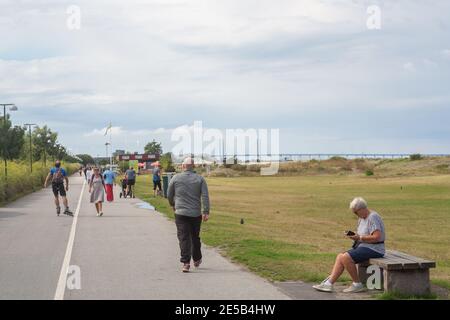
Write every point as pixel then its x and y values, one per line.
pixel 311 68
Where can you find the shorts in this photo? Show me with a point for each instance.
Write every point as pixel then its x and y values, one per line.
pixel 157 184
pixel 131 182
pixel 361 254
pixel 59 189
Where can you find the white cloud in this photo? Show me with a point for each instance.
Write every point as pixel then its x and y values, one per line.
pixel 410 67
pixel 150 64
pixel 446 53
pixel 119 131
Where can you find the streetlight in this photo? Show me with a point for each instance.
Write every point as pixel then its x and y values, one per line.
pixel 31 146
pixel 12 107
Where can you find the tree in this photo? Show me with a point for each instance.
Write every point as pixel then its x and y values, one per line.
pixel 124 165
pixel 166 162
pixel 11 142
pixel 58 152
pixel 103 162
pixel 45 141
pixel 153 148
pixel 86 159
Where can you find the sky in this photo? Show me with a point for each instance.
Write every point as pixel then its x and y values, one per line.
pixel 312 69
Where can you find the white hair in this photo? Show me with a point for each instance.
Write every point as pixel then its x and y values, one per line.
pixel 358 204
pixel 188 161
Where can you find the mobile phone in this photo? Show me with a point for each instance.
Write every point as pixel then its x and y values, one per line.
pixel 349 233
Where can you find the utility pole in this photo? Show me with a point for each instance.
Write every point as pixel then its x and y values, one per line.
pixel 12 107
pixel 31 146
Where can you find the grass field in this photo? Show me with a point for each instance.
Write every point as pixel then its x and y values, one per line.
pixel 293 225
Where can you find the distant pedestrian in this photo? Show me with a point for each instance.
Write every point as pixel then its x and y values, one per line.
pixel 131 181
pixel 124 185
pixel 97 191
pixel 59 176
pixel 187 194
pixel 156 172
pixel 110 181
pixel 85 172
pixel 89 173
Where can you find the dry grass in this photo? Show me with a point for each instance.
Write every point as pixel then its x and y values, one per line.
pixel 293 226
pixel 340 166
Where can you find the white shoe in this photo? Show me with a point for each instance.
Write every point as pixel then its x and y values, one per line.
pixel 354 288
pixel 324 286
pixel 98 214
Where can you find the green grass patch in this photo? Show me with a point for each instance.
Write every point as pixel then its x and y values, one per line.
pixel 399 296
pixel 442 283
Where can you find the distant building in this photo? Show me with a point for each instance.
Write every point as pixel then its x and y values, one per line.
pixel 118 153
pixel 144 160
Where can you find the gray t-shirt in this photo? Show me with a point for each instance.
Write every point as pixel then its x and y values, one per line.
pixel 131 174
pixel 368 226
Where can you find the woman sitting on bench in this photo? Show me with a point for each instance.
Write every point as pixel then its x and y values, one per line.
pixel 368 244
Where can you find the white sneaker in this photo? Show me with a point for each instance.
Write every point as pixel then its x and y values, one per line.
pixel 324 286
pixel 98 214
pixel 354 288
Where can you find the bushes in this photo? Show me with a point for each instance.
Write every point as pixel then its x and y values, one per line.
pixel 416 156
pixel 21 182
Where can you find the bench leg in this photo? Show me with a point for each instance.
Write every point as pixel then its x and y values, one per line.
pixel 364 276
pixel 362 273
pixel 409 282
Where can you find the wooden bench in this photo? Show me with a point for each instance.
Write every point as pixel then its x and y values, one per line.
pixel 401 273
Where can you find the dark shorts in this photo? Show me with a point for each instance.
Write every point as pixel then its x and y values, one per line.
pixel 362 254
pixel 157 184
pixel 131 182
pixel 59 189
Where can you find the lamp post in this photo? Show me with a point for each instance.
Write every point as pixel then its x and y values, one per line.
pixel 29 125
pixel 107 153
pixel 12 107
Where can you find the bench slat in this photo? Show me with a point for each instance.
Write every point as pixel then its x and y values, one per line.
pixel 394 263
pixel 396 260
pixel 423 263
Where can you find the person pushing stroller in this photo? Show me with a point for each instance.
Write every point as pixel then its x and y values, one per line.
pixel 124 185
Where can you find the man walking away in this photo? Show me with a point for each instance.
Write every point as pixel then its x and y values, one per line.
pixel 131 181
pixel 110 181
pixel 58 176
pixel 187 193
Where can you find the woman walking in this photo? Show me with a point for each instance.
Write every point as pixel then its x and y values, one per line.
pixel 97 191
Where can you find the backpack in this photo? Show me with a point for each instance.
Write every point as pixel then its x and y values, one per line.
pixel 58 176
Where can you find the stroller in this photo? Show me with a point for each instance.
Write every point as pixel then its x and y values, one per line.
pixel 123 193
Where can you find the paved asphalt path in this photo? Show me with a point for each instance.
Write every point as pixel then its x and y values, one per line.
pixel 129 253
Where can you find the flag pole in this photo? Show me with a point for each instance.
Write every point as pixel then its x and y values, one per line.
pixel 110 143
